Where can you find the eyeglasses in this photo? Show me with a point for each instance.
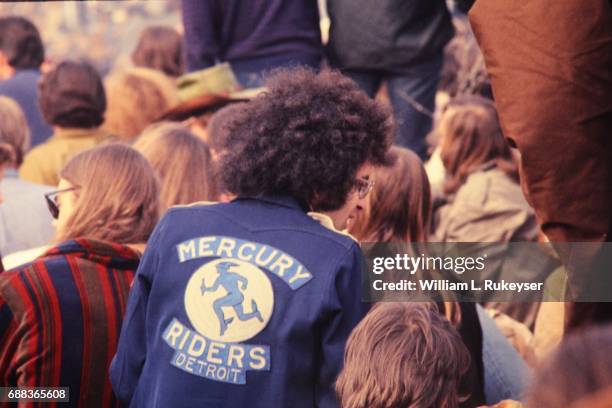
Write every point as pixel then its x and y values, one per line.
pixel 51 199
pixel 363 187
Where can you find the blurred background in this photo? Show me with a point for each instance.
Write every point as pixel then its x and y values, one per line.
pixel 103 32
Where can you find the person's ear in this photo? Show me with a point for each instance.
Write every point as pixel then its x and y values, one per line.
pixel 314 201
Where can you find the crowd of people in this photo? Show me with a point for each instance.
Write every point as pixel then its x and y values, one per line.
pixel 188 231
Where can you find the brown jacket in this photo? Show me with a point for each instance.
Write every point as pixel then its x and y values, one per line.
pixel 550 64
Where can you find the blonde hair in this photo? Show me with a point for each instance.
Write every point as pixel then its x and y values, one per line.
pixel 182 162
pixel 402 355
pixel 14 130
pixel 137 98
pixel 117 195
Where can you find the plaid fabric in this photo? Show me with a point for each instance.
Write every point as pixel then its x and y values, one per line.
pixel 60 318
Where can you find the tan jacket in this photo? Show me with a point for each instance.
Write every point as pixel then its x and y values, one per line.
pixel 488 207
pixel 43 163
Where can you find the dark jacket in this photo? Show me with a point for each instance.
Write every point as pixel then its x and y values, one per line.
pixel 60 318
pixel 248 303
pixel 472 382
pixel 237 30
pixel 387 34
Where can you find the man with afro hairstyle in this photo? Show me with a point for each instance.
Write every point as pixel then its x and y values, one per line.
pixel 308 144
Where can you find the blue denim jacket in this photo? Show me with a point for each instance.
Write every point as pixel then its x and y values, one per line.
pixel 248 303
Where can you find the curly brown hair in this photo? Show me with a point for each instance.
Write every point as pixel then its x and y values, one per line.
pixel 306 137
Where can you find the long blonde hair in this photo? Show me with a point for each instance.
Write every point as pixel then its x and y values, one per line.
pixel 182 162
pixel 117 195
pixel 137 98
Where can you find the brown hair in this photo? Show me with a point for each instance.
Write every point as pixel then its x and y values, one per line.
pixel 399 211
pixel 7 156
pixel 20 42
pixel 402 355
pixel 14 130
pixel 470 136
pixel 72 96
pixel 160 48
pixel 137 98
pixel 117 195
pixel 399 205
pixel 579 368
pixel 182 162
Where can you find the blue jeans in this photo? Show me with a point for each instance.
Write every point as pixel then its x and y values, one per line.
pixel 412 94
pixel 506 375
pixel 251 73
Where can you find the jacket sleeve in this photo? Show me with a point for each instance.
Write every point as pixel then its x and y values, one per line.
pixel 345 310
pixel 200 21
pixel 126 367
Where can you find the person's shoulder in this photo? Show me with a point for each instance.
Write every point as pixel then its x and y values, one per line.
pixel 23 259
pixel 39 150
pixel 23 188
pixel 41 164
pixel 475 189
pixel 185 211
pixel 331 232
pixel 21 266
pixel 314 229
pixel 8 86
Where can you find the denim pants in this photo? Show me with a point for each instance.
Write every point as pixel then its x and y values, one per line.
pixel 506 374
pixel 412 93
pixel 251 73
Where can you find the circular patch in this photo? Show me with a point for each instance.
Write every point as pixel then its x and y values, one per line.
pixel 229 300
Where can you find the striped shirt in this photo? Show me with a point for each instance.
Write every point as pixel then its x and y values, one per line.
pixel 60 318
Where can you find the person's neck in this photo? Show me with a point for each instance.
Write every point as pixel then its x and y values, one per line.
pixel 6 72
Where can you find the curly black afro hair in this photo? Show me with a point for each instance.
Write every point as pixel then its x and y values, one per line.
pixel 306 137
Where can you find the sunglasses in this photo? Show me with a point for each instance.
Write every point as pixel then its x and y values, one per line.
pixel 363 187
pixel 51 199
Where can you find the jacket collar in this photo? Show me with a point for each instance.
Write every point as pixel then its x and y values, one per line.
pixel 279 200
pixel 110 254
pixel 71 133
